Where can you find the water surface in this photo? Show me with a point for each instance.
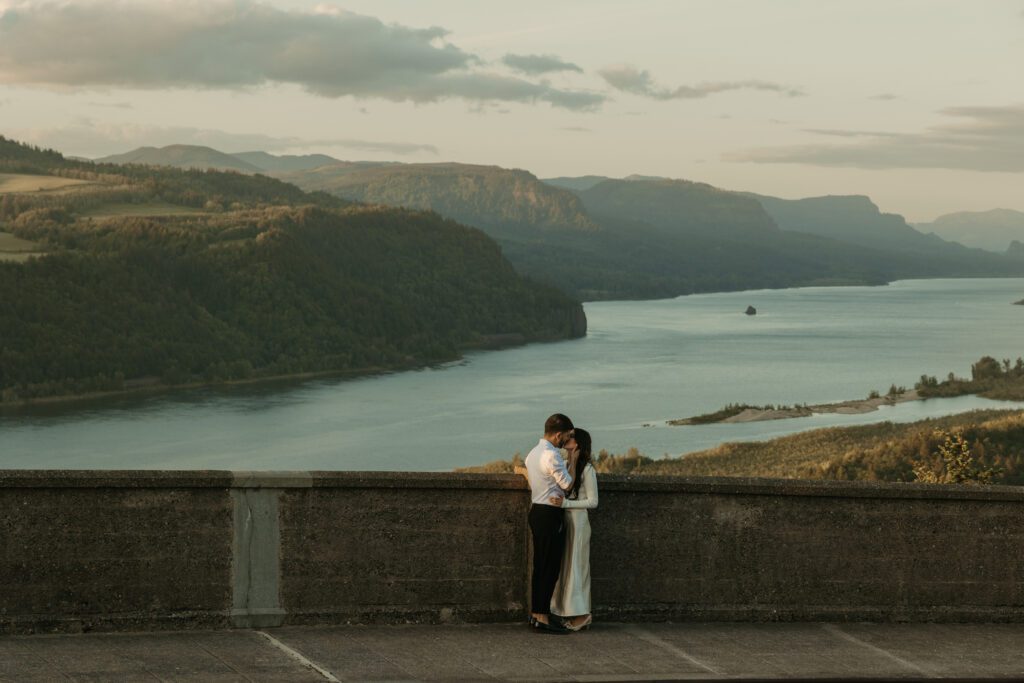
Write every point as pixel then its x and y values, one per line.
pixel 643 362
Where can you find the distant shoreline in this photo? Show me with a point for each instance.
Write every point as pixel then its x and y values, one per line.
pixel 755 414
pixel 142 387
pixel 157 387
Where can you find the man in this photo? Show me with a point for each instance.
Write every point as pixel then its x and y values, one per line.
pixel 549 477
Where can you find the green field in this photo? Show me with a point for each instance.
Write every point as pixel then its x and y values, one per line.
pixel 16 249
pixel 148 209
pixel 24 182
pixel 18 258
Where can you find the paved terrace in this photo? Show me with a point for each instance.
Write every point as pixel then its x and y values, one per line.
pixel 511 652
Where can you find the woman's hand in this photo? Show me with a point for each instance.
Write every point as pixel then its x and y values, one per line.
pixel 556 501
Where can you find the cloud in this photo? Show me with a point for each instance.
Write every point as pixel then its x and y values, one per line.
pixel 839 133
pixel 95 139
pixel 884 97
pixel 538 64
pixel 235 44
pixel 577 129
pixel 112 105
pixel 980 139
pixel 639 82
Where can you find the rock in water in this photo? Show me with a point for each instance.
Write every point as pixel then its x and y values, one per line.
pixel 751 310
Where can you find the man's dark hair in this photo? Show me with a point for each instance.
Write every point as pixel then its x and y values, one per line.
pixel 557 423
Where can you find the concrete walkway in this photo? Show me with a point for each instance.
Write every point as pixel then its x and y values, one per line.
pixel 512 652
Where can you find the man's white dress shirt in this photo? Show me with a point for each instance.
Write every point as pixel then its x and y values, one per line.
pixel 547 473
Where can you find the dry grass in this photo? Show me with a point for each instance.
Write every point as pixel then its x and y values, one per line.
pixel 876 452
pixel 882 451
pixel 148 209
pixel 23 182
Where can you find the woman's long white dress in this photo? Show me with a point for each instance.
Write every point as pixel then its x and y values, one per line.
pixel 572 592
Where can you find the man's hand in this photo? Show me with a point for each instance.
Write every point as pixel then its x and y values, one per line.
pixel 556 501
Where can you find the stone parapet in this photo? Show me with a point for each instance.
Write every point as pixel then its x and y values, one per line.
pixel 108 550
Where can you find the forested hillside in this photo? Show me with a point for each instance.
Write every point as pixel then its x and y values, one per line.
pixel 172 276
pixel 679 207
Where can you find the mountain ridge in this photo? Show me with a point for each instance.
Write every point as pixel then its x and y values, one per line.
pixel 182 156
pixel 993 230
pixel 649 236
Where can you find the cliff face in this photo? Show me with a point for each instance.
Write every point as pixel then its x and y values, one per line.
pixel 496 200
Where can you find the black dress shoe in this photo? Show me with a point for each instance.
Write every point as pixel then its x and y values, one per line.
pixel 550 627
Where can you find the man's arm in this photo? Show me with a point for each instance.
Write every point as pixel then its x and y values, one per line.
pixel 559 472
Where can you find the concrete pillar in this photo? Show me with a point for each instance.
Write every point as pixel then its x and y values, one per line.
pixel 256 547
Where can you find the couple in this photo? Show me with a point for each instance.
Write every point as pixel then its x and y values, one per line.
pixel 561 493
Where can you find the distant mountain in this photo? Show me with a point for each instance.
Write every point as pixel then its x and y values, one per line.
pixel 992 230
pixel 585 182
pixel 679 207
pixel 325 178
pixel 577 184
pixel 286 162
pixel 854 219
pixel 497 200
pixel 650 237
pixel 182 156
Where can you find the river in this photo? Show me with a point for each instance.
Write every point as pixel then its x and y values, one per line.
pixel 642 363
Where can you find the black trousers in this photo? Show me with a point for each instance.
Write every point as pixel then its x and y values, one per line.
pixel 547 524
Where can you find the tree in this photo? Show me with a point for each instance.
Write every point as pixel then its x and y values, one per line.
pixel 986 368
pixel 958 463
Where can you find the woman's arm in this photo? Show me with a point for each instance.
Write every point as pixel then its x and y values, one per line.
pixel 588 491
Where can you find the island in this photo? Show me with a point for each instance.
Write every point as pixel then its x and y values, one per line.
pixel 990 378
pixel 751 413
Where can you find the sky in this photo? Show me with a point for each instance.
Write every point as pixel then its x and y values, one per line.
pixel 918 104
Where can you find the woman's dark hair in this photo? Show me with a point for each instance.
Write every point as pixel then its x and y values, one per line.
pixel 584 442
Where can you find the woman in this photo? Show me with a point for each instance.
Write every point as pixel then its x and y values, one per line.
pixel 571 599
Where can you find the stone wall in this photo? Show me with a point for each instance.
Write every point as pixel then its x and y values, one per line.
pixel 140 550
pixel 762 549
